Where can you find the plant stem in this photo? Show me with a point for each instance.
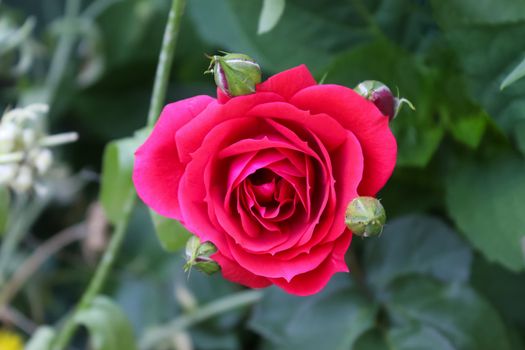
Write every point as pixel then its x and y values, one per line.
pixel 159 92
pixel 15 317
pixel 37 259
pixel 23 216
pixel 214 308
pixel 167 51
pixel 103 269
pixel 63 51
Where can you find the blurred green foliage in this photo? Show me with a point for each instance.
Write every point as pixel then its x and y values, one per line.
pixel 448 270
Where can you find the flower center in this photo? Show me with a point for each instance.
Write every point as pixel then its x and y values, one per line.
pixel 264 185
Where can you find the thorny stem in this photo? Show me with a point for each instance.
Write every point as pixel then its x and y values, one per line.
pixel 159 92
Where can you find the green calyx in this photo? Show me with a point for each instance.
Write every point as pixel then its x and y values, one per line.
pixel 368 87
pixel 365 216
pixel 198 255
pixel 235 74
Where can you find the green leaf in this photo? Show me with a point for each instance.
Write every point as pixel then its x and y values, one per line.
pixel 483 35
pixel 417 337
pixel 455 312
pixel 171 234
pixel 42 339
pixel 519 132
pixel 108 326
pixel 271 12
pixel 485 199
pixel 373 339
pixel 516 74
pixel 332 319
pixel 503 288
pixel 469 129
pixel 482 12
pixel 418 133
pixel 311 31
pixel 416 244
pixel 116 185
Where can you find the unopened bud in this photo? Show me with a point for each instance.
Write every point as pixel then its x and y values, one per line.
pixel 198 256
pixel 382 97
pixel 8 135
pixel 42 160
pixel 7 173
pixel 365 216
pixel 23 180
pixel 235 74
pixel 37 110
pixel 28 137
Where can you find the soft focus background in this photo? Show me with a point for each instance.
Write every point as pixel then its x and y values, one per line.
pixel 448 270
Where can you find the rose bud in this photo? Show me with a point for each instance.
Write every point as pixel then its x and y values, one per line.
pixel 198 255
pixel 365 216
pixel 235 74
pixel 382 97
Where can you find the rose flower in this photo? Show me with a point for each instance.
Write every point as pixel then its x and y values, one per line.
pixel 266 177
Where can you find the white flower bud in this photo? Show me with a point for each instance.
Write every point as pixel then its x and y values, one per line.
pixel 7 173
pixel 23 180
pixel 42 161
pixel 28 137
pixel 8 135
pixel 38 108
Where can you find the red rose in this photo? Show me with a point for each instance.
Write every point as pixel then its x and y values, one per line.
pixel 267 177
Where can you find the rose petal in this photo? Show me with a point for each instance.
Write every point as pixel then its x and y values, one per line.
pixel 194 196
pixel 157 168
pixel 348 165
pixel 362 118
pixel 271 266
pixel 190 137
pixel 313 281
pixel 289 82
pixel 235 273
pixel 222 98
pixel 262 143
pixel 326 128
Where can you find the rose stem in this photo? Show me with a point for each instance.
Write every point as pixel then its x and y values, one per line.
pixel 163 333
pixel 165 60
pixel 159 92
